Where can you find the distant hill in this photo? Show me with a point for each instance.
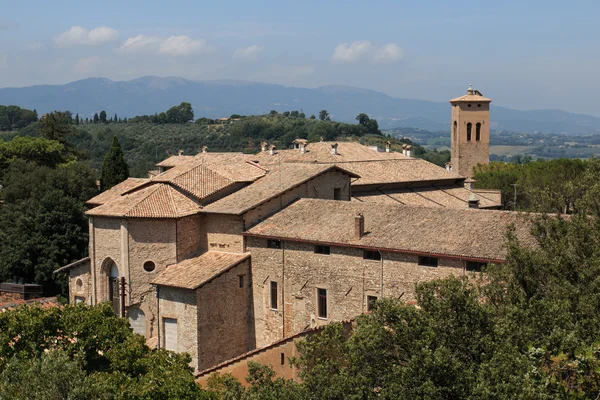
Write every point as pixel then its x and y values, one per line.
pixel 213 99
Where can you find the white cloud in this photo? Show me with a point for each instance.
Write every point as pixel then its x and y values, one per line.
pixel 389 52
pixel 350 53
pixel 79 35
pixel 140 43
pixel 183 46
pixel 86 65
pixel 248 53
pixel 35 46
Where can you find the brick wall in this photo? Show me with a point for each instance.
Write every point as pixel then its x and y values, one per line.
pixel 466 154
pixel 224 233
pixel 347 277
pixel 191 236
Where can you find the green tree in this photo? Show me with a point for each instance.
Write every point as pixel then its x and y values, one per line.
pixel 103 117
pixel 178 114
pixel 313 116
pixel 96 118
pixel 55 126
pixel 114 169
pixel 76 119
pixel 324 115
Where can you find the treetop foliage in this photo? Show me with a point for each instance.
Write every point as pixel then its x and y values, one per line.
pixel 114 168
pixel 13 117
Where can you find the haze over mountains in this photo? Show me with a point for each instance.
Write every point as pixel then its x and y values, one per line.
pixel 147 95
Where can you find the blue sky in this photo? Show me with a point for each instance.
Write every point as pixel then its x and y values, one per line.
pixel 522 54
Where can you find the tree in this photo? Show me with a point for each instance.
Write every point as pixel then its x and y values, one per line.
pixel 43 226
pixel 313 116
pixel 103 117
pixel 178 114
pixel 97 349
pixel 96 118
pixel 55 126
pixel 76 119
pixel 324 115
pixel 114 169
pixel 116 119
pixel 41 151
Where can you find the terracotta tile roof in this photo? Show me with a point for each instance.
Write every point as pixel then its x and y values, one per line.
pixel 174 160
pixel 397 171
pixel 472 95
pixel 44 302
pixel 195 272
pixel 321 152
pixel 278 180
pixel 158 200
pixel 116 191
pixel 208 173
pixel 451 196
pixel 465 233
pixel 77 263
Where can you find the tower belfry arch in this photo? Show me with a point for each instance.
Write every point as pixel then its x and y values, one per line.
pixel 470 127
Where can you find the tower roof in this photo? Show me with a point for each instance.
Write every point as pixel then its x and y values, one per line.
pixel 472 95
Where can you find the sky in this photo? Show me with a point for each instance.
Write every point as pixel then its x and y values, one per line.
pixel 524 54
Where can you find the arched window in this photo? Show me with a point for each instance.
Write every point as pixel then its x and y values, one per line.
pixel 469 127
pixel 454 129
pixel 79 285
pixel 149 266
pixel 478 131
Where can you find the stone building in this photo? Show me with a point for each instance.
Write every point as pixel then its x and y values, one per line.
pixel 220 254
pixel 470 140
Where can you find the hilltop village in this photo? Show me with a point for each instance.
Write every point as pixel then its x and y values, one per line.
pixel 227 256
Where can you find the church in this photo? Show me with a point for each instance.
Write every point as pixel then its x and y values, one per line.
pixel 226 255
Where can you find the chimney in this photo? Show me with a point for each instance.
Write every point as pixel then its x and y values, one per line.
pixel 388 146
pixel 469 183
pixel 204 149
pixel 272 149
pixel 359 226
pixel 180 152
pixel 334 149
pixel 408 150
pixel 263 146
pixel 449 167
pixel 321 139
pixel 404 149
pixel 473 201
pixel 302 148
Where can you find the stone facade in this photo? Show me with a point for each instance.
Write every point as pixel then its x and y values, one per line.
pixel 344 273
pixel 80 282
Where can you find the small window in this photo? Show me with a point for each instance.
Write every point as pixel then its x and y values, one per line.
pixel 371 255
pixel 149 266
pixel 371 300
pixel 323 250
pixel 478 105
pixel 475 266
pixel 241 280
pixel 282 361
pixel 468 105
pixel 428 261
pixel 469 128
pixel 79 285
pixel 79 299
pixel 274 295
pixel 337 193
pixel 322 303
pixel 273 244
pixel 478 131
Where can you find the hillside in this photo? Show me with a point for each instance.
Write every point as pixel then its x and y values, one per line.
pixel 213 99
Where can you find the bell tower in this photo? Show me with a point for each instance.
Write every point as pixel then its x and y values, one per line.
pixel 470 132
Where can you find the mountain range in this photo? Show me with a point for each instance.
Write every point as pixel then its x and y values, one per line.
pixel 149 94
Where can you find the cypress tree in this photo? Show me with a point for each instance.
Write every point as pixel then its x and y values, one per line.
pixel 77 119
pixel 114 167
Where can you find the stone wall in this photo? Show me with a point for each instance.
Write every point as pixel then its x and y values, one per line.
pixel 466 154
pixel 224 233
pixel 225 328
pixel 191 236
pixel 80 283
pixel 180 304
pixel 107 245
pixel 345 274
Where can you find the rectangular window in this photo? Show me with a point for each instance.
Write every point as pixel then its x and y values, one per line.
pixel 322 250
pixel 371 255
pixel 428 261
pixel 282 359
pixel 475 266
pixel 79 299
pixel 274 295
pixel 337 193
pixel 241 278
pixel 170 332
pixel 371 300
pixel 273 244
pixel 322 302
